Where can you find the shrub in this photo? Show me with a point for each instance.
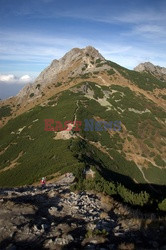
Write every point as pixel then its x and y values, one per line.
pixel 159 161
pixel 31 95
pixel 128 196
pixel 5 111
pixel 96 232
pixel 162 205
pixel 37 86
pixel 148 142
pixel 98 60
pixel 95 72
pixel 58 84
pixel 86 75
pixel 110 72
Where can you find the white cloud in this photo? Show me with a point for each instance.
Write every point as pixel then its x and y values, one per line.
pixel 131 16
pixel 150 28
pixel 7 78
pixel 136 17
pixel 151 32
pixel 38 54
pixel 41 50
pixel 25 79
pixel 12 79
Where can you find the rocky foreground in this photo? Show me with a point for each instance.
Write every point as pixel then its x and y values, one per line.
pixel 56 218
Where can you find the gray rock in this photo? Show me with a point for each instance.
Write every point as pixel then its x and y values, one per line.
pixel 157 71
pixel 48 242
pixel 50 74
pixel 53 210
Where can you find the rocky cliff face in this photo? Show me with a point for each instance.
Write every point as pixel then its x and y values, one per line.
pixel 72 64
pixel 157 71
pixel 66 62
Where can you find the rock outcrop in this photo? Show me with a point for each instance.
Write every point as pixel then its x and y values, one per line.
pixel 71 65
pixel 157 71
pixel 56 218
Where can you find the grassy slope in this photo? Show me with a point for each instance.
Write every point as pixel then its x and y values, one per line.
pixel 133 122
pixel 143 80
pixel 42 155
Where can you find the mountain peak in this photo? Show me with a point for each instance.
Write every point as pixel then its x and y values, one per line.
pixel 73 64
pixel 76 53
pixel 155 70
pixel 74 60
pixel 92 51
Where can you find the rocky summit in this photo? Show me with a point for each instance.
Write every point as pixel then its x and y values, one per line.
pixel 70 64
pixel 53 217
pixel 157 71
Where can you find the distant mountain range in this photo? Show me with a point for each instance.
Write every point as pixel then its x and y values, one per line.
pixel 84 86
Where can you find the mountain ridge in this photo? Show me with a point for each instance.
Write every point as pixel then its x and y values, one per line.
pixel 50 74
pixel 155 70
pixel 74 66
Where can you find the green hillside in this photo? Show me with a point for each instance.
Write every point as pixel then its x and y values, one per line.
pixel 28 152
pixel 143 80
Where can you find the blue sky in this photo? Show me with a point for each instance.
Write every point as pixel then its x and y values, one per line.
pixel 34 32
